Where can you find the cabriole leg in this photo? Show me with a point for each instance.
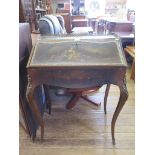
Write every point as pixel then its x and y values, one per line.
pixel 105 98
pixel 121 102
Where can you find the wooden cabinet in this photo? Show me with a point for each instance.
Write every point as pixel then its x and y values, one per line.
pixel 49 6
pixel 27 13
pixel 21 14
pixel 64 5
pixel 42 7
pixel 31 11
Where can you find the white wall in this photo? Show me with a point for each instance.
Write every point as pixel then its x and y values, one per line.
pixel 92 11
pixel 130 4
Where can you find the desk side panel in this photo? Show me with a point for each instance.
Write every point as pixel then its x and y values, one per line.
pixel 76 77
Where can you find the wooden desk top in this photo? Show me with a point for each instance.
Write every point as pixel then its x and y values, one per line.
pixel 77 51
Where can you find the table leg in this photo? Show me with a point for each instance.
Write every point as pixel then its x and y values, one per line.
pixel 105 98
pixel 73 101
pixel 122 99
pixel 47 96
pixel 34 108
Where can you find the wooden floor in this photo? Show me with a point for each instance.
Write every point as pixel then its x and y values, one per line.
pixel 85 130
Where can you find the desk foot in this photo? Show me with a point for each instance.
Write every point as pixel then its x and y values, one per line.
pixel 122 99
pixel 105 98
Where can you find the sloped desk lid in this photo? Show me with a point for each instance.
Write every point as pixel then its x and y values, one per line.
pixel 77 51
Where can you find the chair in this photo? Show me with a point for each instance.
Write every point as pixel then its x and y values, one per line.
pixel 45 26
pixel 49 24
pixel 62 23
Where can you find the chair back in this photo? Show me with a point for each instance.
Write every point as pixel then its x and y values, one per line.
pixel 62 23
pixel 46 26
pixel 49 24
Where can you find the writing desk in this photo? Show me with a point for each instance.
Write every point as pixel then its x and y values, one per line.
pixel 77 62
